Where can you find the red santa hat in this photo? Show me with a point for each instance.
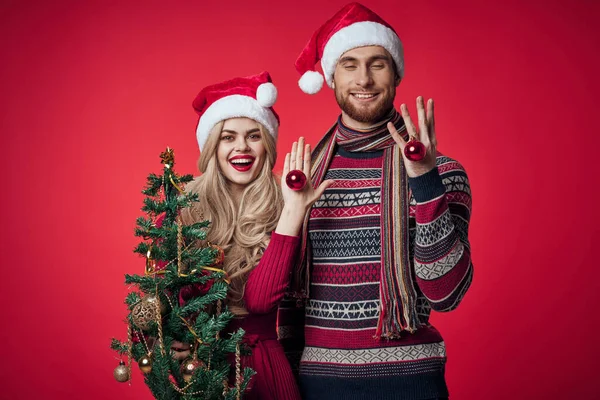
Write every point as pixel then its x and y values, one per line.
pixel 351 27
pixel 251 97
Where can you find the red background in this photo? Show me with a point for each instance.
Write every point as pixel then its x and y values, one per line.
pixel 92 92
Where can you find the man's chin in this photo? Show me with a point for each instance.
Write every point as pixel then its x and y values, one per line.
pixel 368 115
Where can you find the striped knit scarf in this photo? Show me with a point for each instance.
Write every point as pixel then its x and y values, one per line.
pixel 396 289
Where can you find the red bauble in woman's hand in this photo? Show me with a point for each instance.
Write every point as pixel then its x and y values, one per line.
pixel 296 180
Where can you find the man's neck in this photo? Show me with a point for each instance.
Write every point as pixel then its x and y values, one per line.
pixel 354 124
pixel 361 126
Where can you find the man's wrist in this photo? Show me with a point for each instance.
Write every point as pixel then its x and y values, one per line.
pixel 427 186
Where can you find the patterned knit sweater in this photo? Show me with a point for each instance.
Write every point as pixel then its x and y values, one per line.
pixel 341 358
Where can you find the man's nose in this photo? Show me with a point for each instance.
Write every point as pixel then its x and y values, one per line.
pixel 364 78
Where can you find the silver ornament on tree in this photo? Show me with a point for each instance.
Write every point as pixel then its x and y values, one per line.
pixel 121 373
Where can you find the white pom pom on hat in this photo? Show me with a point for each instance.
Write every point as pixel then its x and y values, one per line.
pixel 311 82
pixel 266 94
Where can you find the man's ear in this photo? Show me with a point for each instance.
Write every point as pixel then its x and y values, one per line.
pixel 397 80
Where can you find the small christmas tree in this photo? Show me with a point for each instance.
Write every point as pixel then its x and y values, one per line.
pixel 180 298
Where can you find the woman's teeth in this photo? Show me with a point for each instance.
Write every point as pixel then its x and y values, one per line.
pixel 242 162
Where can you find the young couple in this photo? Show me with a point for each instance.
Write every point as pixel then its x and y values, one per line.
pixel 376 238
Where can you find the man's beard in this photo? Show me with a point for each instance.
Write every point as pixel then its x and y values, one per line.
pixel 371 115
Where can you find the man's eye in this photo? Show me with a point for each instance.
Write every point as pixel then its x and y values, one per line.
pixel 377 66
pixel 350 67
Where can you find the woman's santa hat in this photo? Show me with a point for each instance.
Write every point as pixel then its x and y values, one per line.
pixel 251 97
pixel 353 26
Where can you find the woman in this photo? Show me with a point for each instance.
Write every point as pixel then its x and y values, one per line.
pixel 253 218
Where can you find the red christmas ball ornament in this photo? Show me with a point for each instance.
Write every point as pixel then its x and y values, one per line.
pixel 296 180
pixel 414 150
pixel 189 366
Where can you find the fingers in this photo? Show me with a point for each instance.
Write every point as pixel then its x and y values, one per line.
pixel 426 121
pixel 423 134
pixel 180 355
pixel 286 164
pixel 410 127
pixel 396 136
pixel 293 156
pixel 319 191
pixel 431 123
pixel 175 345
pixel 307 161
pixel 300 154
pixel 180 351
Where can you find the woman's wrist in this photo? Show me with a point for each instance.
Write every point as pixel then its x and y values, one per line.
pixel 290 221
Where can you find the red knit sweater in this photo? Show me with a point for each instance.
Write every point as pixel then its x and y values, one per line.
pixel 264 290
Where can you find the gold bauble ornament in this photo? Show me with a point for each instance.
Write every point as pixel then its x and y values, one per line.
pixel 142 315
pixel 145 364
pixel 152 299
pixel 144 312
pixel 188 367
pixel 121 373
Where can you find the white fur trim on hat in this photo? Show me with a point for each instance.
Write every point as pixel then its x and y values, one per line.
pixel 234 106
pixel 266 94
pixel 359 34
pixel 311 82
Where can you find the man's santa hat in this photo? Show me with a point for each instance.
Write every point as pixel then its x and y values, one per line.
pixel 351 27
pixel 251 97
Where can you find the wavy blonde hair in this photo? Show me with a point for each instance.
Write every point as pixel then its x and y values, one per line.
pixel 243 231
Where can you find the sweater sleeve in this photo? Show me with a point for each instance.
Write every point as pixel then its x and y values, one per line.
pixel 442 255
pixel 268 281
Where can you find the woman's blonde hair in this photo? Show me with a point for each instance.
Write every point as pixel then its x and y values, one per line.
pixel 243 231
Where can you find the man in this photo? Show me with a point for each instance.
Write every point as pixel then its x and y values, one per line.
pixel 388 241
